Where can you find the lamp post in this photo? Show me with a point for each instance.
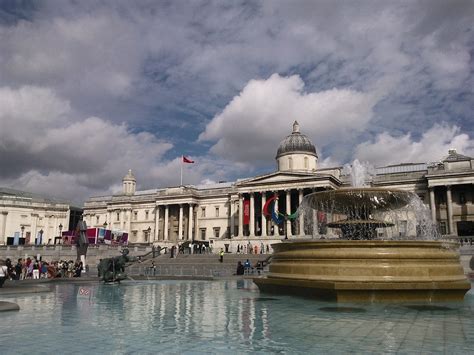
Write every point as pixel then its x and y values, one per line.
pixel 41 235
pixel 60 234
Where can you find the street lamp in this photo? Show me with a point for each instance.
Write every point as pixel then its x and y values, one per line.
pixel 149 234
pixel 105 225
pixel 60 234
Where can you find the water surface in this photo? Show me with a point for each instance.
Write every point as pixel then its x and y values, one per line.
pixel 230 316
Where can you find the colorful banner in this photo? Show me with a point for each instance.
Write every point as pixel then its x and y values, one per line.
pixel 246 211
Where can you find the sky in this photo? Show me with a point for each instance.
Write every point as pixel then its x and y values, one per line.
pixel 90 89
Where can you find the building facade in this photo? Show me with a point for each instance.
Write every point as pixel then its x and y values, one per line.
pixel 230 214
pixel 26 218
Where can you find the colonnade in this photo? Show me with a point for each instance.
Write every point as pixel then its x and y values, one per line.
pixel 265 221
pixel 449 208
pixel 181 225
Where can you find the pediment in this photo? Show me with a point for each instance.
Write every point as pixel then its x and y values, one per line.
pixel 279 177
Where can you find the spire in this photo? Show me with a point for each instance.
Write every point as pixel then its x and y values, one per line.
pixel 296 127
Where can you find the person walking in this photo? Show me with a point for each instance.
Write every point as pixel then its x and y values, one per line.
pixel 3 273
pixel 221 256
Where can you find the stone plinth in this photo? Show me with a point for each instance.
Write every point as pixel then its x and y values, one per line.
pixel 368 271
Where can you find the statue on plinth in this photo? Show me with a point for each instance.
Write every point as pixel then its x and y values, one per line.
pixel 82 242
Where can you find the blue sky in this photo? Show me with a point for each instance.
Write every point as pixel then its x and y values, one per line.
pixel 90 89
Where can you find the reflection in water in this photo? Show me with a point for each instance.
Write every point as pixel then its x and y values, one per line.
pixel 225 317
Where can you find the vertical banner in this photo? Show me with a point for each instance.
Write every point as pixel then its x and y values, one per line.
pixel 38 239
pixel 246 211
pixel 16 238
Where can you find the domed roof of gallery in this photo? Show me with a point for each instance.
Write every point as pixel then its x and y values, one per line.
pixel 296 142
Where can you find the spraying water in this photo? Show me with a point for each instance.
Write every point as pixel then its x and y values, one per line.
pixel 365 213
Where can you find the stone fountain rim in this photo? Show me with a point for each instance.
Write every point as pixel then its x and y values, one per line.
pixel 365 243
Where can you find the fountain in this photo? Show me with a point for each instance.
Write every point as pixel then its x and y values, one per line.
pixel 362 264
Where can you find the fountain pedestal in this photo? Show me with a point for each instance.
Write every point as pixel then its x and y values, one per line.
pixel 367 271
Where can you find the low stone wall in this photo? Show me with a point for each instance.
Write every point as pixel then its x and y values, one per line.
pixel 66 252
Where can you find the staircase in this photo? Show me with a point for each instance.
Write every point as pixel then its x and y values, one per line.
pixel 194 265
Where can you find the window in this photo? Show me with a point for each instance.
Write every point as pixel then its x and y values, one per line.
pixel 135 215
pixel 203 211
pixel 290 163
pixel 134 233
pixel 306 163
pixel 145 234
pixel 203 233
pixel 146 215
pixel 217 232
pixel 442 228
pixel 118 216
pixel 217 211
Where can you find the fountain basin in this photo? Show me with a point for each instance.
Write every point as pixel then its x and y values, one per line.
pixel 367 271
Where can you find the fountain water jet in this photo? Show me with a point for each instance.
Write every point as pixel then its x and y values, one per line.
pixel 360 267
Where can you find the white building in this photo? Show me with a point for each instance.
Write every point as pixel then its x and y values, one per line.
pixel 30 216
pixel 214 212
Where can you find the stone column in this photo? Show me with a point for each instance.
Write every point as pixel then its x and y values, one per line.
pixel 157 224
pixel 128 222
pixel 3 225
pixel 122 219
pixel 232 218
pixel 301 216
pixel 449 204
pixel 165 228
pixel 432 204
pixel 315 223
pixel 196 224
pixel 180 223
pixel 288 211
pixel 252 215
pixel 34 223
pixel 190 222
pixel 264 218
pixel 241 215
pixel 277 203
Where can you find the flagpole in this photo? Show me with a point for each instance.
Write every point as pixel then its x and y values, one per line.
pixel 181 171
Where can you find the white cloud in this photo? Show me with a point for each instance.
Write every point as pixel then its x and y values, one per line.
pixel 252 124
pixel 41 137
pixel 432 146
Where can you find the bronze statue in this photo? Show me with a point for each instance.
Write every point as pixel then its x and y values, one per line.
pixel 113 269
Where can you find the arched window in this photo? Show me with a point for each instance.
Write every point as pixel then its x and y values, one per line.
pixel 290 163
pixel 306 163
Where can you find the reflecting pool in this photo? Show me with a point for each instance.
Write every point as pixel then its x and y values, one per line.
pixel 228 316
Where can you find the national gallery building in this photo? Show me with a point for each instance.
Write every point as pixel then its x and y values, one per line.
pixel 230 214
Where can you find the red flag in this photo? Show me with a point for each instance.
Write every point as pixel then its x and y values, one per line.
pixel 246 207
pixel 186 160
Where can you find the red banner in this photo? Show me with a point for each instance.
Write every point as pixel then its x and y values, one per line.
pixel 322 217
pixel 246 211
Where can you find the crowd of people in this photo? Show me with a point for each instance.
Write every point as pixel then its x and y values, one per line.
pixel 33 268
